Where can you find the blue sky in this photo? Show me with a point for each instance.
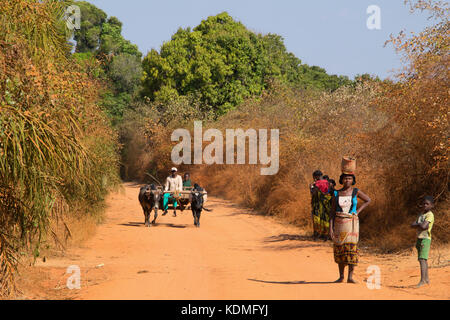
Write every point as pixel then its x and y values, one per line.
pixel 327 33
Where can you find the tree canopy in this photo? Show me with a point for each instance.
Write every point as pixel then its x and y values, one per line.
pixel 220 62
pixel 100 36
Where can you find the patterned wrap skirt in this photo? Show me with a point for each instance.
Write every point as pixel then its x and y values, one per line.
pixel 346 237
pixel 321 204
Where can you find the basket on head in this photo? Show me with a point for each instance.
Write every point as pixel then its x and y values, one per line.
pixel 348 165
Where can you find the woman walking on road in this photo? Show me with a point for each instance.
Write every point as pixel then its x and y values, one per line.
pixel 344 224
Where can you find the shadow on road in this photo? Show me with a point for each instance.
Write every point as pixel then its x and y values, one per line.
pixel 171 225
pixel 301 241
pixel 292 282
pixel 168 225
pixel 286 237
pixel 132 224
pixel 292 246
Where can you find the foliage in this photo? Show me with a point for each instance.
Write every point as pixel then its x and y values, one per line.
pixel 398 131
pixel 99 34
pixel 92 19
pixel 220 63
pixel 57 151
pixel 101 38
pixel 145 134
pixel 421 99
pixel 42 27
pixel 112 41
pixel 115 104
pixel 125 71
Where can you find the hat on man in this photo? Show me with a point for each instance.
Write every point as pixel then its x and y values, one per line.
pixel 174 169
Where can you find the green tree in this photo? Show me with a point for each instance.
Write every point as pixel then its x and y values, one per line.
pixel 112 41
pixel 125 70
pixel 101 37
pixel 88 37
pixel 220 63
pixel 100 34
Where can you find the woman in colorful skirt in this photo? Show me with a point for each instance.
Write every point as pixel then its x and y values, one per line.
pixel 344 225
pixel 321 205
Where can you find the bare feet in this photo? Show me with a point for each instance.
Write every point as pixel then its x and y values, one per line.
pixel 351 281
pixel 422 283
pixel 341 279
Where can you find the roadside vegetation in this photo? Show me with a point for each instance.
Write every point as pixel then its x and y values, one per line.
pixel 398 130
pixel 58 153
pixel 79 111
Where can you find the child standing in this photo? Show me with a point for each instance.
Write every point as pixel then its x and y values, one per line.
pixel 424 224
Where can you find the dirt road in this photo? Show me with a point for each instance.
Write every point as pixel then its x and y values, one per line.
pixel 234 255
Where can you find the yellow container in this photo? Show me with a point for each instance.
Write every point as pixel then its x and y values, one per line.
pixel 348 165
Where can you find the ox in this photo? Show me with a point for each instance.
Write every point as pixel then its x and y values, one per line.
pixel 149 198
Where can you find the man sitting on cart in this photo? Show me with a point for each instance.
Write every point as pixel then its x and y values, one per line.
pixel 174 183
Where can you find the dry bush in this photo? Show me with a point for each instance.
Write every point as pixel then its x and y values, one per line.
pixel 57 150
pixel 398 132
pixel 145 135
pixel 72 228
pixel 316 130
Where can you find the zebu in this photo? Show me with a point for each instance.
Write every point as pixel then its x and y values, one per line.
pixel 149 198
pixel 197 199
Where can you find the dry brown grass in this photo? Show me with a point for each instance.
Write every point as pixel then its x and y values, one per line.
pixel 57 149
pixel 398 132
pixel 316 130
pixel 71 230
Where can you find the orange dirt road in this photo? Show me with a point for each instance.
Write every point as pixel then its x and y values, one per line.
pixel 234 255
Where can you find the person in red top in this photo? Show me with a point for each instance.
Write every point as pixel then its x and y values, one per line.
pixel 321 205
pixel 323 185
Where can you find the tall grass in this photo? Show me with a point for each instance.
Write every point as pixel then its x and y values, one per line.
pixel 57 151
pixel 40 22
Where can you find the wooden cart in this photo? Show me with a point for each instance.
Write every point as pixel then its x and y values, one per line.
pixel 182 197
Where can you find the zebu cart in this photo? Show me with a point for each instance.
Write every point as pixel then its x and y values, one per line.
pixel 182 197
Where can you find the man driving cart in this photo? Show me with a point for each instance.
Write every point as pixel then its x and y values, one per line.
pixel 173 184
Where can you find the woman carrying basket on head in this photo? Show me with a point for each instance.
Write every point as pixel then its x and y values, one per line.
pixel 344 222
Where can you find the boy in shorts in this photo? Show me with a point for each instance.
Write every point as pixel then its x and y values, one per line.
pixel 424 224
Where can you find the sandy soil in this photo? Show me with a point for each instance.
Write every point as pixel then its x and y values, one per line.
pixel 234 255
